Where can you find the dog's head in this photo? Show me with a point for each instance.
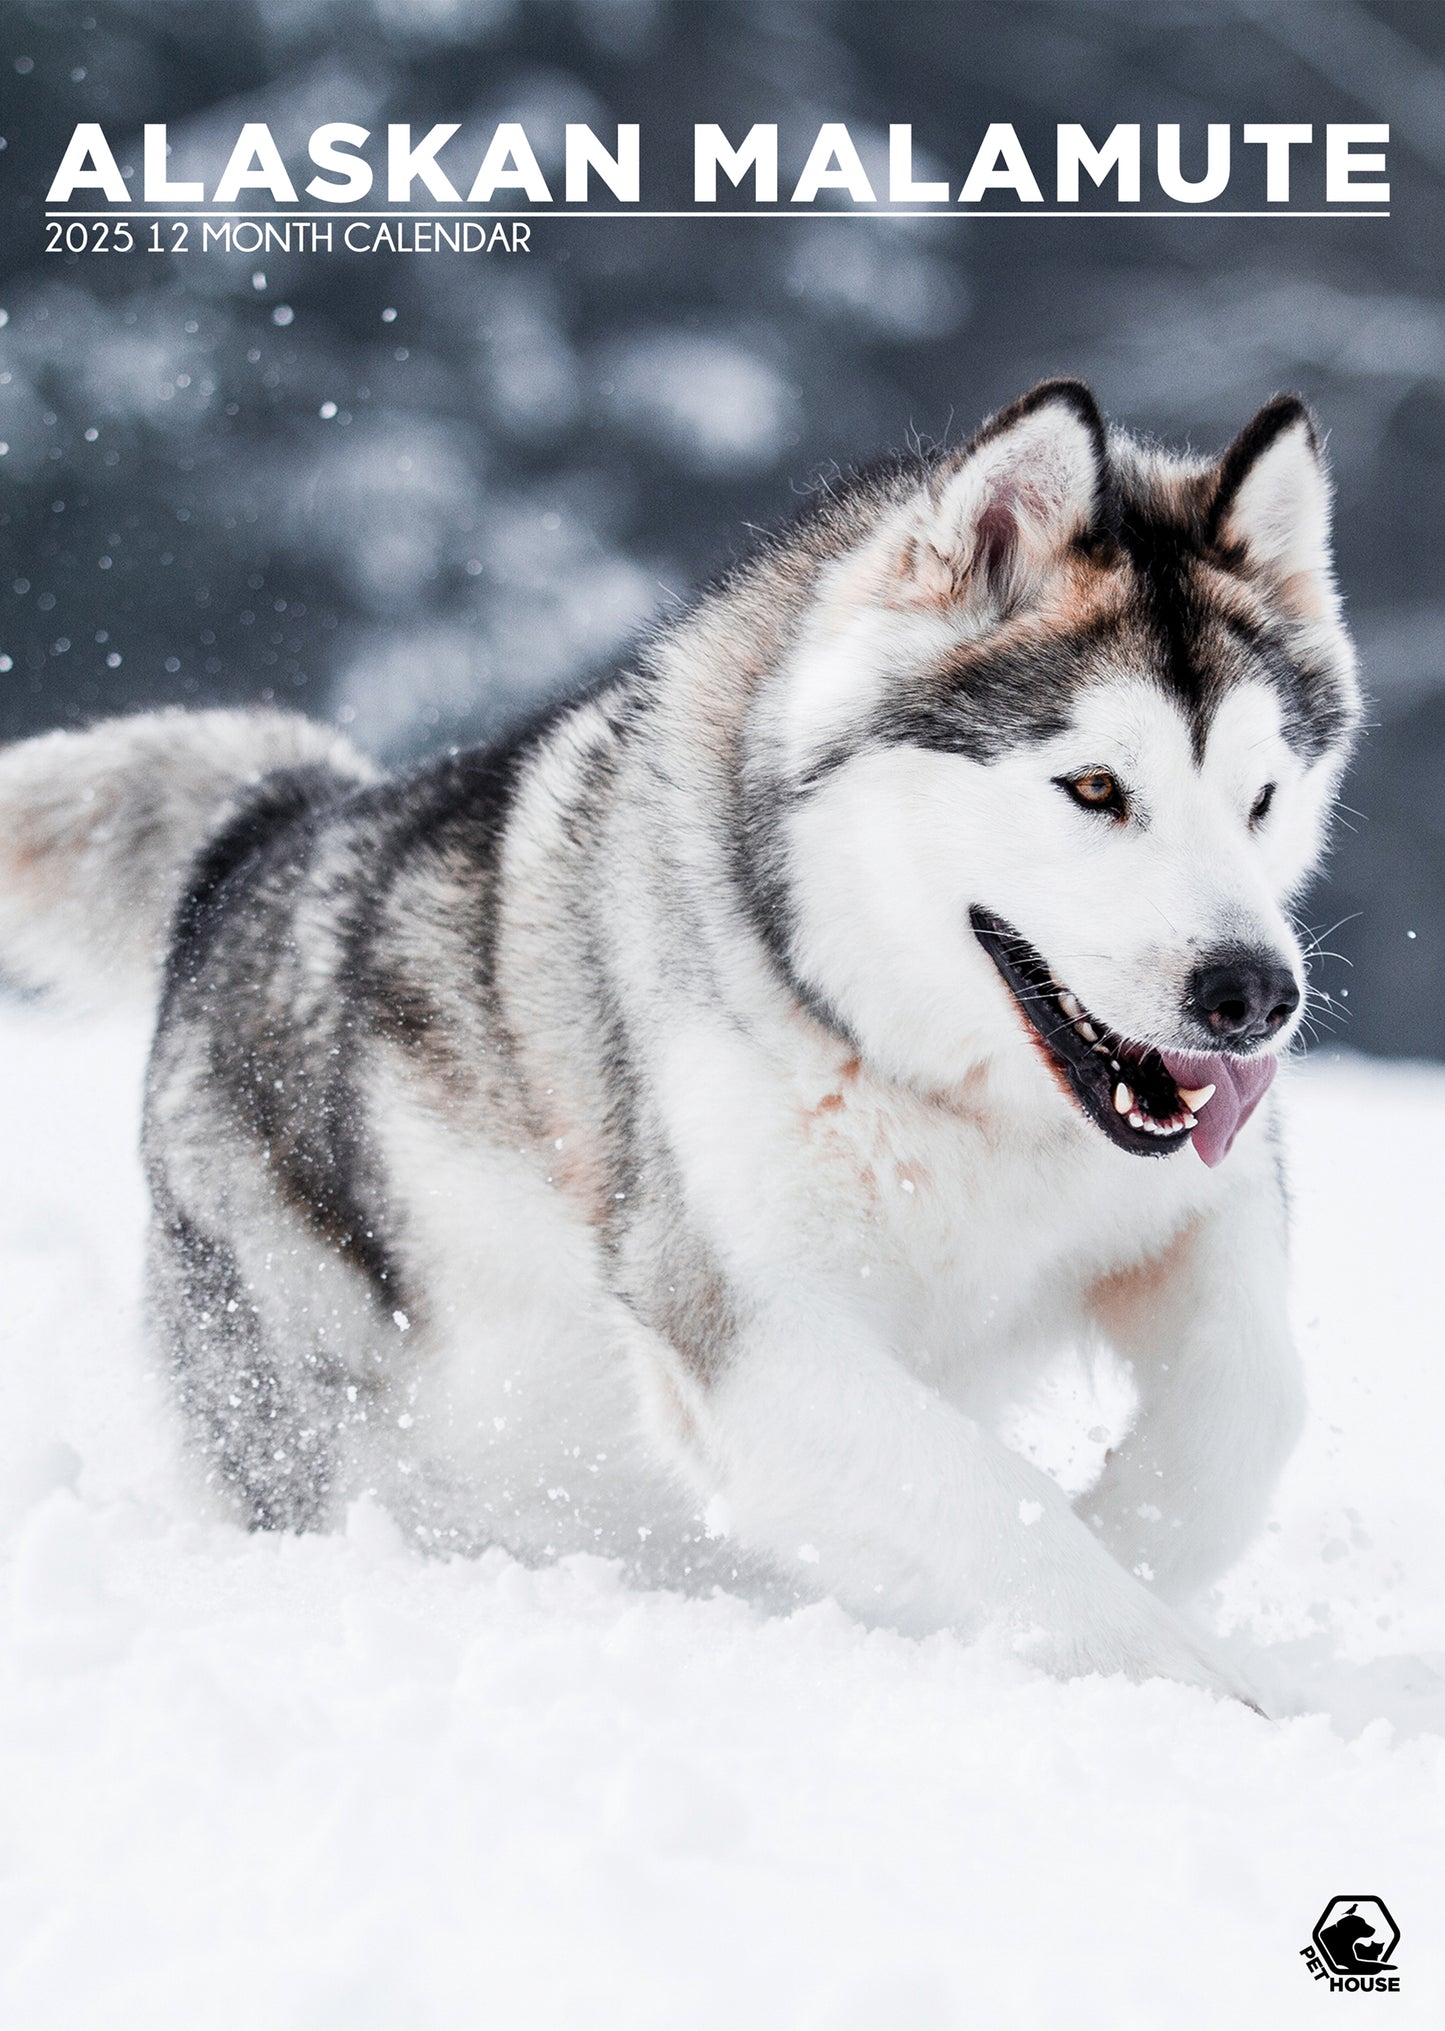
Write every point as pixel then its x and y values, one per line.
pixel 1058 739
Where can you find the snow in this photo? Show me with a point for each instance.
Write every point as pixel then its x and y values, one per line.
pixel 325 1783
pixel 707 398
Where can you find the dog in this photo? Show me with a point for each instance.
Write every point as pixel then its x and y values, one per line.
pixel 679 1132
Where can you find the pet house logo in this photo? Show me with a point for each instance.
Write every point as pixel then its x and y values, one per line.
pixel 1353 1945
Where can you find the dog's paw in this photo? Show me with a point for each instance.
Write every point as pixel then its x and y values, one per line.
pixel 1147 1642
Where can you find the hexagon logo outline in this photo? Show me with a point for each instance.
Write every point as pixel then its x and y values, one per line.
pixel 1346 1937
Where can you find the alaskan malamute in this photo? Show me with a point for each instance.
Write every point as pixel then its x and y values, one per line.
pixel 679 1132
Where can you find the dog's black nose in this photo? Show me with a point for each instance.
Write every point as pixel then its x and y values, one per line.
pixel 1242 997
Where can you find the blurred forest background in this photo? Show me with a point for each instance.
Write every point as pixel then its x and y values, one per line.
pixel 419 494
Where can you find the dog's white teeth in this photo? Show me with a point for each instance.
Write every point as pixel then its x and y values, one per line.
pixel 1071 1005
pixel 1136 1119
pixel 1190 1121
pixel 1123 1098
pixel 1195 1097
pixel 1086 1030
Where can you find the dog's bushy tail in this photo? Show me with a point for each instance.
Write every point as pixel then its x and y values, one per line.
pixel 99 828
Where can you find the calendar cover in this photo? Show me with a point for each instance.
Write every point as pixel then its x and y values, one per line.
pixel 721 738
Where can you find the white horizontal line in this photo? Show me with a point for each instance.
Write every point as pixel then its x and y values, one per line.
pixel 933 212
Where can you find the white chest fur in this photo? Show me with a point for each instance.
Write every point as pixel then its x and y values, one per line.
pixel 956 1227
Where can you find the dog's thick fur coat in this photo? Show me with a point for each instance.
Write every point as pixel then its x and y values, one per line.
pixel 654 1118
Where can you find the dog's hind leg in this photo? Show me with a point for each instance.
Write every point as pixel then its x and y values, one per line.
pixel 1220 1396
pixel 260 1415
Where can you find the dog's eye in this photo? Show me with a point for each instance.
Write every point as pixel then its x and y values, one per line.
pixel 1096 790
pixel 1261 805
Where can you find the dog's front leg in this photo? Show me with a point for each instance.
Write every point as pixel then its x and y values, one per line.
pixel 839 1465
pixel 1204 1326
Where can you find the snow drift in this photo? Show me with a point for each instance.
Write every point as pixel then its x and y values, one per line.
pixel 324 1784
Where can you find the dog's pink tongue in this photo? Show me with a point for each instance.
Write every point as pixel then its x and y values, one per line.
pixel 1239 1086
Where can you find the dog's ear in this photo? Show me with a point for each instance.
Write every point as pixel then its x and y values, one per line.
pixel 1271 504
pixel 1029 484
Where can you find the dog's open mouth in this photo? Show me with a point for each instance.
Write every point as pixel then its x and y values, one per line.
pixel 1147 1101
